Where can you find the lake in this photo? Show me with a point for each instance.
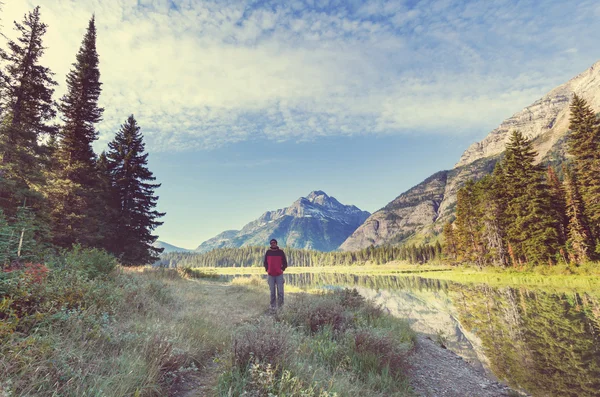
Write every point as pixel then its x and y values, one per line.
pixel 544 342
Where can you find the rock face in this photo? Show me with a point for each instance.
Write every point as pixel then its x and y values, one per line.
pixel 422 210
pixel 316 221
pixel 548 115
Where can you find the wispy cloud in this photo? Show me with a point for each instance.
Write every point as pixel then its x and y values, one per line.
pixel 201 74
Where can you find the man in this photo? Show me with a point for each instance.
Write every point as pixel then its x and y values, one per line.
pixel 275 265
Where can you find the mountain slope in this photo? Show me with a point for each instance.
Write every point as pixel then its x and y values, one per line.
pixel 316 221
pixel 169 247
pixel 422 210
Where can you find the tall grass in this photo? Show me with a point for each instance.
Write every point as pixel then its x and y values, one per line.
pixel 88 329
pixel 328 344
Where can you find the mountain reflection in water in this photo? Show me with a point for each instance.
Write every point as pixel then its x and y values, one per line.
pixel 545 343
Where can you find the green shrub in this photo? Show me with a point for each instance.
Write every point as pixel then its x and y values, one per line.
pixel 92 262
pixel 350 298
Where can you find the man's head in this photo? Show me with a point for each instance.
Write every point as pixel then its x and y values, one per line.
pixel 273 243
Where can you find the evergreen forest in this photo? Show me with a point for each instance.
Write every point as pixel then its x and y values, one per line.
pixel 56 192
pixel 254 256
pixel 524 214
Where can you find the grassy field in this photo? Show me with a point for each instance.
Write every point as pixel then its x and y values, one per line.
pixel 388 268
pixel 149 332
pixel 559 277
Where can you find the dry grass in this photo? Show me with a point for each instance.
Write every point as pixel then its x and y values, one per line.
pixel 167 335
pixel 161 329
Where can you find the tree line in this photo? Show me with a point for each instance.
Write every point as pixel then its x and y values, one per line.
pixel 55 191
pixel 254 256
pixel 524 213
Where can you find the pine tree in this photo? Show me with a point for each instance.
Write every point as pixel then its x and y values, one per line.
pixel 111 207
pixel 558 204
pixel 584 145
pixel 26 108
pixel 130 176
pixel 579 243
pixel 492 207
pixel 80 111
pixel 449 249
pixel 75 192
pixel 531 228
pixel 469 245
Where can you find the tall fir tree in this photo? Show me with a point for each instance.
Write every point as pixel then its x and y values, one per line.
pixel 584 145
pixel 111 206
pixel 558 204
pixel 80 111
pixel 531 228
pixel 579 243
pixel 128 165
pixel 449 249
pixel 469 244
pixel 492 207
pixel 74 193
pixel 27 109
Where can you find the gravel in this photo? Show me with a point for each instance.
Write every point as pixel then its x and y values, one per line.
pixel 438 372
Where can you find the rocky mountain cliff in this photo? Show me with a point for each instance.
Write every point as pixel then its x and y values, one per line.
pixel 419 213
pixel 316 221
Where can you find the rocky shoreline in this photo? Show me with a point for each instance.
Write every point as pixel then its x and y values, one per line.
pixel 438 372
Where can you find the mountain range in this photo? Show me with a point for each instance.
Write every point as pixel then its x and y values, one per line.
pixel 317 222
pixel 320 222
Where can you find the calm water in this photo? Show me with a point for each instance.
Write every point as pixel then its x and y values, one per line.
pixel 545 343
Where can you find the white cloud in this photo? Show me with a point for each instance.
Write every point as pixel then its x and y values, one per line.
pixel 204 74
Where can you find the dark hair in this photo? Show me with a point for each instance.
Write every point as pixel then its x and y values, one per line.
pixel 273 240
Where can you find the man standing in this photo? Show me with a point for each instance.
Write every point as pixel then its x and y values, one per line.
pixel 275 264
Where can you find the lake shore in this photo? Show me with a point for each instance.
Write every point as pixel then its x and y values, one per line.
pixel 431 369
pixel 168 335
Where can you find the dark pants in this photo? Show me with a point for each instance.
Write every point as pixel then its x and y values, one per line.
pixel 276 285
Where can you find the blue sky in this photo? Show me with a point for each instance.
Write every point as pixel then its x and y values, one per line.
pixel 246 106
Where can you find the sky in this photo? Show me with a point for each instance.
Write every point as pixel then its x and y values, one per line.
pixel 246 106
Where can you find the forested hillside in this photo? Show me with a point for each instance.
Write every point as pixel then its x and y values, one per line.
pixel 523 213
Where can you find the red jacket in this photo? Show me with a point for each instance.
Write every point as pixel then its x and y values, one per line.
pixel 275 262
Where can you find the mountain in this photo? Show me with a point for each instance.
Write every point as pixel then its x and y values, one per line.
pixel 419 213
pixel 169 248
pixel 317 222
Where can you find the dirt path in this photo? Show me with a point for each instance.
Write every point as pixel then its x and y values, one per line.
pixel 230 306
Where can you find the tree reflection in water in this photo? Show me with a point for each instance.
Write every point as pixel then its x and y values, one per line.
pixel 543 342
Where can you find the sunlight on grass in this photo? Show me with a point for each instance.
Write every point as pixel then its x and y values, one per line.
pixel 388 268
pixel 585 277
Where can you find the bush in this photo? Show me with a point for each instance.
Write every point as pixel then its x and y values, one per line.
pixel 313 313
pixel 350 298
pixel 262 342
pixel 92 262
